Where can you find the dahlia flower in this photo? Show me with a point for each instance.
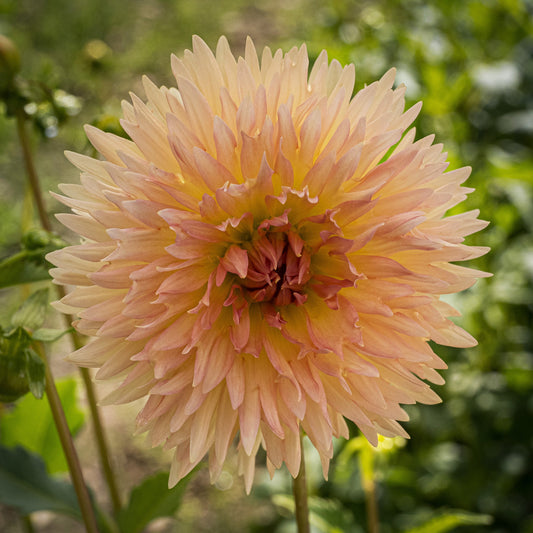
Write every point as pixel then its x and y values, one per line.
pixel 265 255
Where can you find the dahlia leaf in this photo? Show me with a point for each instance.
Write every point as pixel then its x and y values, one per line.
pixel 25 484
pixel 49 334
pixel 150 500
pixel 32 312
pixel 29 265
pixel 327 516
pixel 13 371
pixel 449 520
pixel 330 516
pixel 15 342
pixel 19 269
pixel 30 424
pixel 35 370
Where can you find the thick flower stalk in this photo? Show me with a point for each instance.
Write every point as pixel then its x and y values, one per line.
pixel 265 255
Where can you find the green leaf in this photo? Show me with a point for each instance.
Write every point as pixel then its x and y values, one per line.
pixel 327 516
pixel 32 312
pixel 30 424
pixel 21 369
pixel 35 371
pixel 151 499
pixel 330 516
pixel 49 334
pixel 14 380
pixel 449 520
pixel 30 264
pixel 15 343
pixel 25 485
pixel 23 267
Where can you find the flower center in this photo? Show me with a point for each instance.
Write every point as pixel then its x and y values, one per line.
pixel 273 262
pixel 278 270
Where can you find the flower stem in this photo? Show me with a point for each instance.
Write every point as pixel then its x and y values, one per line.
pixel 30 170
pixel 27 524
pixel 101 442
pixel 299 490
pixel 65 437
pixel 105 462
pixel 366 463
pixel 371 508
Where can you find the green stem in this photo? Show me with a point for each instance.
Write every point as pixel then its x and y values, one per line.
pixel 30 170
pixel 299 490
pixel 104 455
pixel 101 441
pixel 65 437
pixel 27 524
pixel 371 508
pixel 366 462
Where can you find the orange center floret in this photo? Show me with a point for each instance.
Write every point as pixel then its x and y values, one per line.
pixel 276 273
pixel 275 265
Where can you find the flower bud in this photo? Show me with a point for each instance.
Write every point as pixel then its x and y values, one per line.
pixel 14 381
pixel 9 62
pixel 36 238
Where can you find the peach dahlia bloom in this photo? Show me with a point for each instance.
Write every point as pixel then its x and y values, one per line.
pixel 265 255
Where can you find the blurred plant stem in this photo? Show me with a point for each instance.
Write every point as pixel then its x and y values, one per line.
pixel 101 442
pixel 30 169
pixel 366 465
pixel 299 490
pixel 77 342
pixel 27 524
pixel 67 444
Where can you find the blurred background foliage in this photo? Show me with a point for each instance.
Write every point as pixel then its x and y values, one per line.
pixel 471 62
